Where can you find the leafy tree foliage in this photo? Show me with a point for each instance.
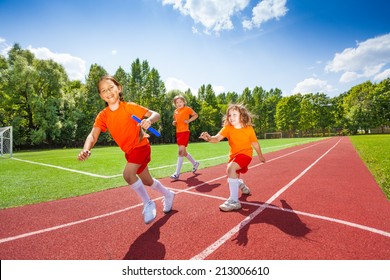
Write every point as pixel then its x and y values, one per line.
pixel 46 109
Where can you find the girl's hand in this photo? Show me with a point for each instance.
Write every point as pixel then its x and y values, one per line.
pixel 261 158
pixel 205 136
pixel 83 155
pixel 174 123
pixel 145 123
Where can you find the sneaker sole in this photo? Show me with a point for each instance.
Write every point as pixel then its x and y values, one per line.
pixel 223 209
pixel 246 192
pixel 194 170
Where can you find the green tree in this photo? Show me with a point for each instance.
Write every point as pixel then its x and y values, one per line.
pixel 288 114
pixel 358 108
pixel 381 103
pixel 90 104
pixel 272 99
pixel 123 78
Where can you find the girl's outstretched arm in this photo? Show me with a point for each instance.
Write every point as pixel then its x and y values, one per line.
pixel 89 143
pixel 212 139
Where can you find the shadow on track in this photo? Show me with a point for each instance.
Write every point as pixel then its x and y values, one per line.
pixel 283 218
pixel 147 245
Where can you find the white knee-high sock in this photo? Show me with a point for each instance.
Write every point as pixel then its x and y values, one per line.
pixel 139 188
pixel 233 187
pixel 179 165
pixel 190 158
pixel 159 187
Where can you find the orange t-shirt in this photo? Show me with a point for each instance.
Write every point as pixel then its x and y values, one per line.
pixel 180 115
pixel 239 140
pixel 122 127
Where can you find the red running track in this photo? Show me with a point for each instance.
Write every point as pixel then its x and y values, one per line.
pixel 314 201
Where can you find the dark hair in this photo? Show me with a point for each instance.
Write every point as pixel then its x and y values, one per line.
pixel 112 79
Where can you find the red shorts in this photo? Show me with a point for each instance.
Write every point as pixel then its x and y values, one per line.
pixel 243 161
pixel 183 138
pixel 139 155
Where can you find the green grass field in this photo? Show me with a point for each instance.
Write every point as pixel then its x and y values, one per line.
pixel 375 152
pixel 24 182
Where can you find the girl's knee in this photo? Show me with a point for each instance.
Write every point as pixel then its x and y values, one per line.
pixel 231 170
pixel 182 151
pixel 129 178
pixel 147 182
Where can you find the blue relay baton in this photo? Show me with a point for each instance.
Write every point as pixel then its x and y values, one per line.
pixel 151 129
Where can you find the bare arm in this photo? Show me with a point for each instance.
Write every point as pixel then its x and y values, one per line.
pixel 193 117
pixel 212 139
pixel 89 143
pixel 257 148
pixel 152 117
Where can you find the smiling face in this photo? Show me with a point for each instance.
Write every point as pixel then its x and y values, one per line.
pixel 179 103
pixel 109 91
pixel 234 118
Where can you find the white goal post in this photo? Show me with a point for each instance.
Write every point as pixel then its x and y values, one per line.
pixel 6 141
pixel 273 135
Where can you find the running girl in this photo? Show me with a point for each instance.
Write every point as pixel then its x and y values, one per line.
pixel 182 116
pixel 129 136
pixel 238 129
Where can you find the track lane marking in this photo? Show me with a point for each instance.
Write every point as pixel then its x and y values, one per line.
pixel 261 207
pixel 227 236
pixel 153 168
pixel 7 239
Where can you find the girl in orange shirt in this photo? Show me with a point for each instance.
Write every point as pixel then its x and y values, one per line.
pixel 238 129
pixel 182 116
pixel 129 136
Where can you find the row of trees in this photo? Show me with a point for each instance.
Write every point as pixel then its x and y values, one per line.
pixel 47 109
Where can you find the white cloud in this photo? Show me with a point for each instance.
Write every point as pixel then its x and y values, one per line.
pixel 381 76
pixel 312 85
pixel 114 52
pixel 264 11
pixel 4 47
pixel 214 15
pixel 74 66
pixel 349 77
pixel 366 60
pixel 218 89
pixel 177 84
pixel 174 83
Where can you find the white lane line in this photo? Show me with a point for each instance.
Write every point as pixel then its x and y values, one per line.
pixel 315 216
pixel 59 167
pixel 213 247
pixel 153 168
pixel 7 239
pixel 125 209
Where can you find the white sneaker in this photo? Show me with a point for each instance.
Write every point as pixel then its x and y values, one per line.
pixel 196 165
pixel 168 202
pixel 230 205
pixel 175 176
pixel 244 189
pixel 149 211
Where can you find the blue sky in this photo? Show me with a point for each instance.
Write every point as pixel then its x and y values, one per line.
pixel 294 45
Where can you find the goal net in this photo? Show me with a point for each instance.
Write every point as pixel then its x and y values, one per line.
pixel 6 141
pixel 273 135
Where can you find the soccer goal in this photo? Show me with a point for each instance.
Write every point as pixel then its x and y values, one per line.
pixel 273 135
pixel 6 141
